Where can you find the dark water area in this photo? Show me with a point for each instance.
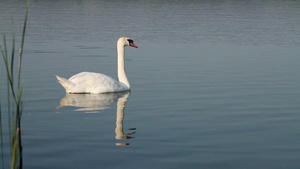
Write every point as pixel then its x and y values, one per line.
pixel 215 84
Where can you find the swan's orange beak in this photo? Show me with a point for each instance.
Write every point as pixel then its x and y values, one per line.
pixel 133 45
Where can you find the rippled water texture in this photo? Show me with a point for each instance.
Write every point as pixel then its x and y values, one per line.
pixel 215 84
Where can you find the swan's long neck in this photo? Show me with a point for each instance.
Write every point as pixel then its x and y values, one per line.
pixel 121 65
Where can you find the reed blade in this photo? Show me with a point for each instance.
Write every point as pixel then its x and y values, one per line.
pixel 22 43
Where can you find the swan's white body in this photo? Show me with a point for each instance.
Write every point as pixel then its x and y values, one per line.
pixel 89 82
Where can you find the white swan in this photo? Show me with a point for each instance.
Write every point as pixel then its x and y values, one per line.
pixel 89 82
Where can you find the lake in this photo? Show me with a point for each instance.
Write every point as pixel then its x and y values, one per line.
pixel 214 84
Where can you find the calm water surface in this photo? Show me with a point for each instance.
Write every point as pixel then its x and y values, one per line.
pixel 214 84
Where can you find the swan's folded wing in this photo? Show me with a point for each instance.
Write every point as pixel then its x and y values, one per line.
pixel 96 82
pixel 70 86
pixel 90 82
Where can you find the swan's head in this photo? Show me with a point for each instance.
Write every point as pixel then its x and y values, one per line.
pixel 125 41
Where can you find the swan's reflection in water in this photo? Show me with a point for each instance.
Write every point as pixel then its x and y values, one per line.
pixel 94 103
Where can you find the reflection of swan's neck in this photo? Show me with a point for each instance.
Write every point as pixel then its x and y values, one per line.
pixel 120 116
pixel 121 65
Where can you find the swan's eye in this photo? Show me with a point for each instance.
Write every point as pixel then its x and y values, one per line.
pixel 131 43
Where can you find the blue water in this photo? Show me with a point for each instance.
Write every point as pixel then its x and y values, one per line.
pixel 214 84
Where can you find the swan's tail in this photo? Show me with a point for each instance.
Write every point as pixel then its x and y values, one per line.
pixel 67 84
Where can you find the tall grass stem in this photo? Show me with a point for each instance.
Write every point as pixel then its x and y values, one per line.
pixel 14 100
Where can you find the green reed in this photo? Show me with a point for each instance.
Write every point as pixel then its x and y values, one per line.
pixel 14 100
